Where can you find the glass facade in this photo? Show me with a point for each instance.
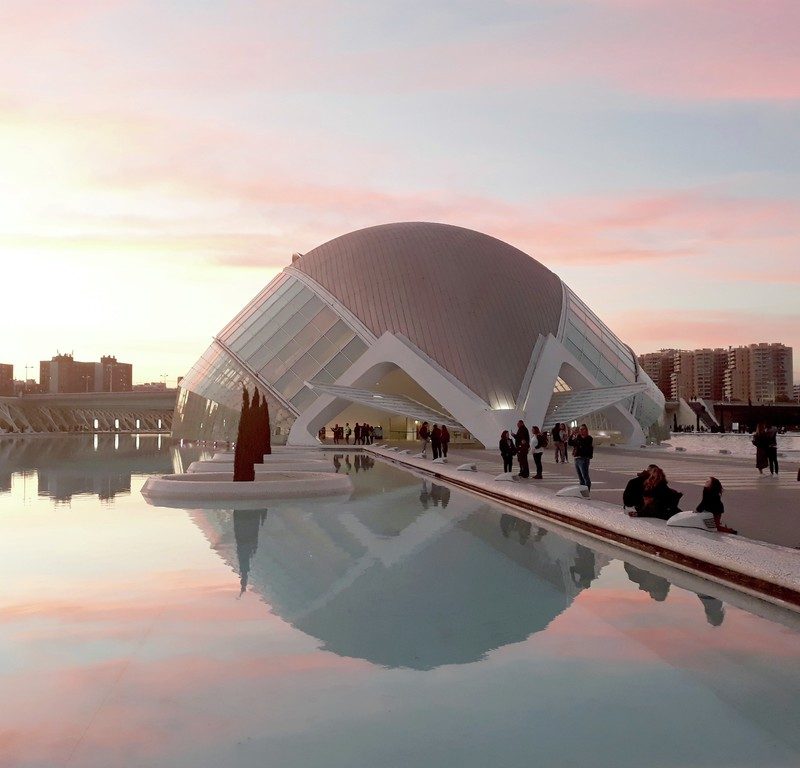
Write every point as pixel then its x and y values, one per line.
pixel 608 360
pixel 286 335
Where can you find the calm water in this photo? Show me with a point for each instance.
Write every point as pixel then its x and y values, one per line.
pixel 411 625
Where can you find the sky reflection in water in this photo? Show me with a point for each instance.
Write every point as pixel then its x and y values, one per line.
pixel 410 625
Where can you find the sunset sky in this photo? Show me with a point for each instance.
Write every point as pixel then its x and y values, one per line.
pixel 161 161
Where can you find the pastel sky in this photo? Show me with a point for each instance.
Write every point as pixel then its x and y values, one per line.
pixel 160 162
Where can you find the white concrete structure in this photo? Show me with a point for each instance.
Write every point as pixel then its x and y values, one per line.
pixel 402 323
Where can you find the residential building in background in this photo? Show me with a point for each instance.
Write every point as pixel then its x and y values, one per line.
pixel 63 373
pixel 6 379
pixel 755 373
pixel 796 391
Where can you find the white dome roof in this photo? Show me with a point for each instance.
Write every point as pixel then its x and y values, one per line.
pixel 474 304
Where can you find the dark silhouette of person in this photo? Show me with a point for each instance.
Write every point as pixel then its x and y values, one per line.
pixel 522 440
pixel 582 570
pixel 655 586
pixel 424 495
pixel 246 525
pixel 714 608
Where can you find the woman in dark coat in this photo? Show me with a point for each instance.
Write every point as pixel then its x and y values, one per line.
pixel 761 440
pixel 507 451
pixel 660 500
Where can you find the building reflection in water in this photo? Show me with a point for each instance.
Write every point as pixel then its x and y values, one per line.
pixel 383 578
pixel 100 465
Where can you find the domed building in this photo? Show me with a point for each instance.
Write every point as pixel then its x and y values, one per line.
pixel 400 323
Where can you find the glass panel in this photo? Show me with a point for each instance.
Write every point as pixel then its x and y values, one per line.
pixel 325 319
pixel 303 398
pixel 322 351
pixel 355 349
pixel 306 367
pixel 338 365
pixel 340 334
pixel 288 384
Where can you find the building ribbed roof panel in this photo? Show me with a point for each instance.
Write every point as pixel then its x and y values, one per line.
pixel 471 302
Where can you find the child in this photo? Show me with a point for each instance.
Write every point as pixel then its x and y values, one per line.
pixel 712 502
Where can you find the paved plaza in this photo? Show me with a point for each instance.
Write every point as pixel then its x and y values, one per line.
pixel 760 507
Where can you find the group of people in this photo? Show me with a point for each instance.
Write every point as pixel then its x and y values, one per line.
pixel 439 438
pixel 523 441
pixel 649 495
pixel 362 434
pixel 765 439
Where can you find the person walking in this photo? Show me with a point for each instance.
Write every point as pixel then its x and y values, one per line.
pixel 507 451
pixel 436 441
pixel 583 451
pixel 445 440
pixel 424 433
pixel 761 440
pixel 537 446
pixel 522 439
pixel 336 434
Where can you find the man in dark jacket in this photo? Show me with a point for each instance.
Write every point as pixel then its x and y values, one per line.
pixel 522 438
pixel 583 451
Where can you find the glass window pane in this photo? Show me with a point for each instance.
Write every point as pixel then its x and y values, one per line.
pixel 355 349
pixel 306 367
pixel 338 365
pixel 303 398
pixel 340 334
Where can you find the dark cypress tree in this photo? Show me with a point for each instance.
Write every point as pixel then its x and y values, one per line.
pixel 255 427
pixel 243 470
pixel 266 426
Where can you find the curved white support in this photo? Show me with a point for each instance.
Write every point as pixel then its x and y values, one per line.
pixel 507 477
pixel 467 468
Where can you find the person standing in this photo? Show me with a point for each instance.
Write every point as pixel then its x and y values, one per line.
pixel 445 440
pixel 336 437
pixel 537 446
pixel 424 433
pixel 761 440
pixel 347 432
pixel 436 441
pixel 357 434
pixel 564 438
pixel 507 451
pixel 583 451
pixel 557 442
pixel 772 450
pixel 522 439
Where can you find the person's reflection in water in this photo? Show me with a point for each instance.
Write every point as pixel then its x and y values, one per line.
pixel 714 608
pixel 655 586
pixel 424 495
pixel 347 463
pixel 357 462
pixel 337 461
pixel 246 524
pixel 582 571
pixel 509 523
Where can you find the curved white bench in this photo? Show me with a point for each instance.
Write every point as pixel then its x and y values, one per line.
pixel 209 486
pixel 297 465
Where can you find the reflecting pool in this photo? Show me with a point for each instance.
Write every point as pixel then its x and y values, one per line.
pixel 411 624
